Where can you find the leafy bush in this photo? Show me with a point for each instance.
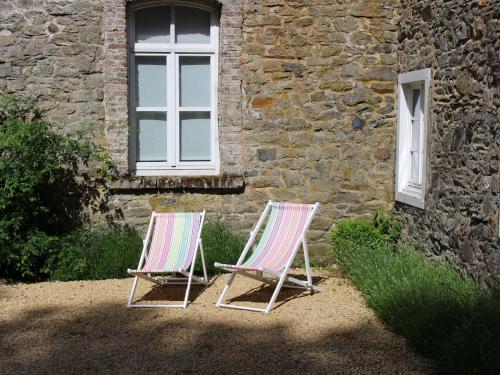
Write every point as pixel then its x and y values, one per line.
pixel 95 254
pixel 19 106
pixel 387 224
pixel 444 316
pixel 43 191
pixel 220 244
pixel 32 256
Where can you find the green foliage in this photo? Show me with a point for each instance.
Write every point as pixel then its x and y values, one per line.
pixel 443 315
pixel 387 224
pixel 19 106
pixel 43 191
pixel 220 244
pixel 95 254
pixel 32 256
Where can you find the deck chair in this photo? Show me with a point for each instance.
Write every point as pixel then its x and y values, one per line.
pixel 170 247
pixel 273 255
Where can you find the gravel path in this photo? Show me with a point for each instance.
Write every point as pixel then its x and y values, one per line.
pixel 84 327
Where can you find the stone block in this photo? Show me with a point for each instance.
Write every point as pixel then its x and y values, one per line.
pixel 262 102
pixel 267 154
pixel 380 74
pixel 292 178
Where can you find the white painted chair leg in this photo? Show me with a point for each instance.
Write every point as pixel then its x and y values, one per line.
pixel 202 252
pixel 276 292
pixel 190 279
pixel 132 291
pixel 306 260
pixel 222 297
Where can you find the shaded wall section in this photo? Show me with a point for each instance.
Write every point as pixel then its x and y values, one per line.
pixel 458 40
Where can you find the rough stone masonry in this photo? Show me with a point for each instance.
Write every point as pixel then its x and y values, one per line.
pixel 458 40
pixel 306 108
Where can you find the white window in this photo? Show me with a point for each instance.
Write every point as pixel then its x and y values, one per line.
pixel 413 98
pixel 173 89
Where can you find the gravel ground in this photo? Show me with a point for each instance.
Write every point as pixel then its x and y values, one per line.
pixel 84 327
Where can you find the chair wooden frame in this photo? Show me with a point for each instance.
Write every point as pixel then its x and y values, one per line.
pixel 279 277
pixel 187 278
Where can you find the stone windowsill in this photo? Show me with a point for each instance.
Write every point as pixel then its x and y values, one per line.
pixel 226 183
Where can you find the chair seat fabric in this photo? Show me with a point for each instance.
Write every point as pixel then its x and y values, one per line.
pixel 173 242
pixel 285 226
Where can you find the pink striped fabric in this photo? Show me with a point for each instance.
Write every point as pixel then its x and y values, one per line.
pixel 173 242
pixel 286 223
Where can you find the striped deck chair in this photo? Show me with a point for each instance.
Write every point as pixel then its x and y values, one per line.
pixel 273 255
pixel 170 247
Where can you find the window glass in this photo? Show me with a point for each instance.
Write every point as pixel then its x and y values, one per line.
pixel 152 25
pixel 415 135
pixel 194 81
pixel 195 136
pixel 414 173
pixel 192 25
pixel 151 81
pixel 173 91
pixel 415 110
pixel 411 169
pixel 151 136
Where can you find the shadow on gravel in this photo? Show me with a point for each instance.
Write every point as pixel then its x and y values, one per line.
pixel 263 293
pixel 110 339
pixel 172 293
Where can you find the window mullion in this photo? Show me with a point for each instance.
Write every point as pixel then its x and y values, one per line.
pixel 171 110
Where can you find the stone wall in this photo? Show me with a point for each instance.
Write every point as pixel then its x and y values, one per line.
pixel 53 50
pixel 317 96
pixel 458 40
pixel 116 84
pixel 319 103
pixel 306 103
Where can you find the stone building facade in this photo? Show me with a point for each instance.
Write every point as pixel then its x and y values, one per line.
pixel 306 107
pixel 458 40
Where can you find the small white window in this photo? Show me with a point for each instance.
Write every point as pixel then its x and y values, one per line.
pixel 413 98
pixel 173 49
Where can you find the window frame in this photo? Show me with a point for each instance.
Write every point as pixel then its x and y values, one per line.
pixel 406 190
pixel 173 166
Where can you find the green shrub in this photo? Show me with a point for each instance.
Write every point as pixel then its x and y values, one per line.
pixel 43 191
pixel 443 315
pixel 387 224
pixel 19 106
pixel 32 256
pixel 96 254
pixel 220 244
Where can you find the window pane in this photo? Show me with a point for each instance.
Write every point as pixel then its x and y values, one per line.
pixel 194 81
pixel 195 136
pixel 415 106
pixel 415 166
pixel 415 135
pixel 151 81
pixel 152 25
pixel 151 136
pixel 192 25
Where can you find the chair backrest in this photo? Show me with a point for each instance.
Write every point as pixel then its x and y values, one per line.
pixel 286 224
pixel 173 241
